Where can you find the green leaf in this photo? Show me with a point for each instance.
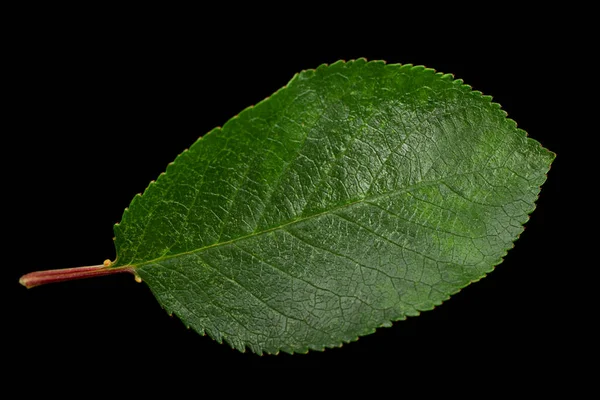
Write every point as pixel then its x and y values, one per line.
pixel 359 194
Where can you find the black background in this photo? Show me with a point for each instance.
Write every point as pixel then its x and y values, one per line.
pixel 100 106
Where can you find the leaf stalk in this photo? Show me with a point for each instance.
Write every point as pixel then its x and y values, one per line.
pixel 39 278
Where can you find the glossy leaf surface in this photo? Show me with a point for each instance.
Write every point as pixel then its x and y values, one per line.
pixel 359 194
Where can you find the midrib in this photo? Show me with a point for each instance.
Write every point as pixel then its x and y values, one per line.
pixel 309 217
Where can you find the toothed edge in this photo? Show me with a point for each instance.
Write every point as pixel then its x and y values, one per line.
pixel 238 344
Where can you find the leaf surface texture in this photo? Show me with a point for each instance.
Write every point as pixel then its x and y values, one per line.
pixel 359 194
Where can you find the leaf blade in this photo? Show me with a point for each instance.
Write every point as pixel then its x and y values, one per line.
pixel 326 210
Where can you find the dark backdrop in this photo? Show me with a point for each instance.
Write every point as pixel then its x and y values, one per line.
pixel 100 111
